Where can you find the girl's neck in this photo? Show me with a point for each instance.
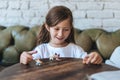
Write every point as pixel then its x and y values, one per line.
pixel 58 45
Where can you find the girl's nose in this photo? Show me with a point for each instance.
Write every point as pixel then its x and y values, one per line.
pixel 60 33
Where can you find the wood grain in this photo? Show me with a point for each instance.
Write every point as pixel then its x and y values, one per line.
pixel 66 69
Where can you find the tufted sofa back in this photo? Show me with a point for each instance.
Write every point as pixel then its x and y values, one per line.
pixel 16 39
pixel 97 39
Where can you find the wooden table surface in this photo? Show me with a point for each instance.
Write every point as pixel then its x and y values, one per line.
pixel 66 69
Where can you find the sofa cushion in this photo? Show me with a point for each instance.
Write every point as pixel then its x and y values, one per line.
pixel 16 39
pixel 102 41
pixel 107 42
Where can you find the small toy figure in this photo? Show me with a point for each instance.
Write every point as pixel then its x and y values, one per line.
pixel 51 58
pixel 38 62
pixel 55 56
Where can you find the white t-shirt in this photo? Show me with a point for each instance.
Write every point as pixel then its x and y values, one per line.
pixel 71 50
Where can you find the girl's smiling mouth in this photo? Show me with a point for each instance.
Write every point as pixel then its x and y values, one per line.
pixel 60 38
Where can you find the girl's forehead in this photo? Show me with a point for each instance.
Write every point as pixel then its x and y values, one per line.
pixel 65 23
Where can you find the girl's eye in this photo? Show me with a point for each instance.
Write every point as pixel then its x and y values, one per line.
pixel 66 29
pixel 56 29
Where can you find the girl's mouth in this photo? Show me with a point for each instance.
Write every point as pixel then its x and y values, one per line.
pixel 59 38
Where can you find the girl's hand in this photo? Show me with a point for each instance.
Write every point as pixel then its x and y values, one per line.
pixel 26 57
pixel 93 58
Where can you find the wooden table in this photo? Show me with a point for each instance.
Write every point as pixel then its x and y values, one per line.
pixel 67 69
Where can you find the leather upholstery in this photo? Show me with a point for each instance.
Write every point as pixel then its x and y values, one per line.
pixel 16 39
pixel 102 41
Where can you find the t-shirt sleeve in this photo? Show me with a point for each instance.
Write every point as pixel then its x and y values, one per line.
pixel 79 52
pixel 38 54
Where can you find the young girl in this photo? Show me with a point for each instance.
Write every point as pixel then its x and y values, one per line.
pixel 57 36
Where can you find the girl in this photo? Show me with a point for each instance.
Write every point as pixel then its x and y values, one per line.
pixel 57 36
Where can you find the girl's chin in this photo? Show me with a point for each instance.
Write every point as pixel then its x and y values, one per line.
pixel 56 42
pixel 59 43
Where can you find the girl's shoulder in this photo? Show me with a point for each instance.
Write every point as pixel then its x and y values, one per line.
pixel 43 45
pixel 118 47
pixel 74 45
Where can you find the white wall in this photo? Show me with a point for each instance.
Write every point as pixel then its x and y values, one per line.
pixel 103 14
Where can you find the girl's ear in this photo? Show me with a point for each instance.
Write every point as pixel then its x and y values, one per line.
pixel 46 26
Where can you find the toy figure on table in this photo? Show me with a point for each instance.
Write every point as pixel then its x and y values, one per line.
pixel 55 56
pixel 51 58
pixel 38 62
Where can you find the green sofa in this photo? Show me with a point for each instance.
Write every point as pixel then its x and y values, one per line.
pixel 16 39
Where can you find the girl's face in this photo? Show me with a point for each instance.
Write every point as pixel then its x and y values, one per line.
pixel 59 33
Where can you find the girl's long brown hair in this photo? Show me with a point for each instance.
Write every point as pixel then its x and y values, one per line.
pixel 56 15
